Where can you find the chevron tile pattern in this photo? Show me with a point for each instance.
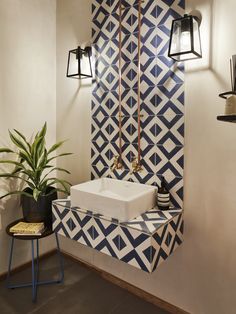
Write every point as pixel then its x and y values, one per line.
pixel 135 248
pixel 61 218
pixel 82 227
pixel 162 93
pixel 143 242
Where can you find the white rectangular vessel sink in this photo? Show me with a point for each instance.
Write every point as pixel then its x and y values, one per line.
pixel 113 198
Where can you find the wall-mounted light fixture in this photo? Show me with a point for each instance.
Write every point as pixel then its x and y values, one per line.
pixel 79 63
pixel 185 43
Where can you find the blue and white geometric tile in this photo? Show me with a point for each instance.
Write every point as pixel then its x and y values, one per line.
pixel 100 8
pixel 82 227
pixel 61 219
pixel 106 237
pixel 151 220
pixel 160 246
pixel 175 186
pixel 135 248
pixel 175 230
pixel 100 171
pixel 101 156
pixel 162 95
pixel 129 102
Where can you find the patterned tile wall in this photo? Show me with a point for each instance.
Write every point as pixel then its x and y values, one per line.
pixel 162 93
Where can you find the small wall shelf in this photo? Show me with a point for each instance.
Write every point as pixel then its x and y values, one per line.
pixel 227 118
pixel 225 94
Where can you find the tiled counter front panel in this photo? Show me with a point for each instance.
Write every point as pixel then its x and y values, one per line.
pixel 162 93
pixel 144 242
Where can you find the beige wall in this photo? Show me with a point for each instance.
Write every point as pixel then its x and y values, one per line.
pixel 73 95
pixel 200 276
pixel 27 90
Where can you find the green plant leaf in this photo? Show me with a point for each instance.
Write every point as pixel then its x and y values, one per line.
pixel 20 134
pixel 58 190
pixel 12 162
pixel 6 150
pixel 9 175
pixel 64 183
pixel 55 147
pixel 23 137
pixel 43 159
pixel 43 131
pixel 36 194
pixel 17 141
pixel 27 158
pixel 16 170
pixel 54 169
pixel 35 146
pixel 40 150
pixel 16 193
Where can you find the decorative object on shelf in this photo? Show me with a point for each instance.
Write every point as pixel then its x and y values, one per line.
pixel 33 168
pixel 230 96
pixel 163 196
pixel 185 42
pixel 79 63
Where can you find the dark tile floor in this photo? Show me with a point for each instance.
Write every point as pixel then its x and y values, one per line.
pixel 83 292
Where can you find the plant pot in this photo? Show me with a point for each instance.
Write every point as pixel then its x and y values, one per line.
pixel 40 210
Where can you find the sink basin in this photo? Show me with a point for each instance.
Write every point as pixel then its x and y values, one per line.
pixel 114 198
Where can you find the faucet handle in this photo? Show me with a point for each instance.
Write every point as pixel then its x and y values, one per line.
pixel 116 163
pixel 136 167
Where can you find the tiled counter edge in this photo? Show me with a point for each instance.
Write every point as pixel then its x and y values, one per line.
pixel 144 242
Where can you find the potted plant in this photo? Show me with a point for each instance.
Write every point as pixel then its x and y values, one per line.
pixel 34 168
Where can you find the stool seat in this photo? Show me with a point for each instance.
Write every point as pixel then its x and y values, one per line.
pixel 35 268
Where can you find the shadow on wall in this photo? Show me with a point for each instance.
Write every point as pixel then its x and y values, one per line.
pixel 207 35
pixel 206 30
pixel 10 203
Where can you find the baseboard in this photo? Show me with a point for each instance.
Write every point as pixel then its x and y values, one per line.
pixel 129 287
pixel 3 276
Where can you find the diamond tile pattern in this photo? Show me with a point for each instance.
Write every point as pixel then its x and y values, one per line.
pixel 61 218
pixel 143 242
pixel 162 93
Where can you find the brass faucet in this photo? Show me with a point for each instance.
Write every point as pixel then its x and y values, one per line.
pixel 136 167
pixel 116 163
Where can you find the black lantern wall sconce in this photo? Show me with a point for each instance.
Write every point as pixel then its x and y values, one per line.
pixel 79 63
pixel 185 42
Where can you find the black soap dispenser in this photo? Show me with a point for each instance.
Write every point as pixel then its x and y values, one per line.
pixel 163 196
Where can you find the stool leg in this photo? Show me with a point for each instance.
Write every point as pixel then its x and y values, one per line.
pixel 9 264
pixel 60 260
pixel 34 287
pixel 37 260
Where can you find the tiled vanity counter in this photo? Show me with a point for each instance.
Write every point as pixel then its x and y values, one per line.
pixel 144 242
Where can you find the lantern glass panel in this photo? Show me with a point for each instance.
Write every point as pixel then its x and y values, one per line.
pixel 196 37
pixel 85 64
pixel 72 63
